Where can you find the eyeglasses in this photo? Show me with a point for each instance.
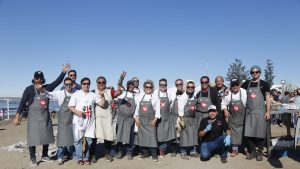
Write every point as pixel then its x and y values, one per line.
pixel 179 84
pixel 148 87
pixel 71 75
pixel 85 83
pixel 162 84
pixel 135 81
pixel 204 82
pixel 254 72
pixel 101 82
pixel 190 87
pixel 68 84
pixel 38 78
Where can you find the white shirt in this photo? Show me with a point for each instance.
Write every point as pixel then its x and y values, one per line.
pixel 235 96
pixel 154 100
pixel 182 100
pixel 163 94
pixel 79 100
pixel 59 96
pixel 129 94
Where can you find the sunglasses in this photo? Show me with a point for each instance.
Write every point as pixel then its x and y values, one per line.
pixel 148 87
pixel 254 72
pixel 190 87
pixel 101 82
pixel 212 110
pixel 135 81
pixel 71 75
pixel 179 84
pixel 233 85
pixel 204 82
pixel 68 84
pixel 85 83
pixel 162 84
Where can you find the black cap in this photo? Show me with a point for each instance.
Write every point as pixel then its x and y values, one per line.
pixel 38 74
pixel 234 82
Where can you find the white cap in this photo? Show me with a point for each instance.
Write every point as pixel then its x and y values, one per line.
pixel 212 107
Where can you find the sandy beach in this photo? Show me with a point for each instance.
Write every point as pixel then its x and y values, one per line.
pixel 11 134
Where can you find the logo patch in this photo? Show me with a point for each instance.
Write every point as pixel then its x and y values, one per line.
pixel 144 109
pixel 203 104
pixel 162 103
pixel 253 95
pixel 236 108
pixel 43 103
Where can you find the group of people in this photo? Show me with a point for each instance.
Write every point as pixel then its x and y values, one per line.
pixel 189 120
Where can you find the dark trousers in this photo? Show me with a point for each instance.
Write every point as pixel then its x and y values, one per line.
pixel 32 150
pixel 254 142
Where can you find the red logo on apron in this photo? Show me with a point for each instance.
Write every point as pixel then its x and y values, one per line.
pixel 43 103
pixel 253 95
pixel 144 109
pixel 236 108
pixel 193 108
pixel 162 103
pixel 203 104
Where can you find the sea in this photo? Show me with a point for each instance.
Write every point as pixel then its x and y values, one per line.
pixel 8 107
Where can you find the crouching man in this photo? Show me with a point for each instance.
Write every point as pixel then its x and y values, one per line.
pixel 212 138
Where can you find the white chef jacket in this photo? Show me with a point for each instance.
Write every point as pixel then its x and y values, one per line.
pixel 235 96
pixel 154 100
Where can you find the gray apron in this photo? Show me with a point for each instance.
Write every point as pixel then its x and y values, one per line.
pixel 236 120
pixel 147 136
pixel 165 128
pixel 202 107
pixel 65 127
pixel 189 135
pixel 255 123
pixel 39 125
pixel 174 112
pixel 125 119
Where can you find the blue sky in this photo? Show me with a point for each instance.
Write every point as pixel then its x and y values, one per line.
pixel 150 39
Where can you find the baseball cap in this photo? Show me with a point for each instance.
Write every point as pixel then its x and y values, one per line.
pixel 38 74
pixel 234 82
pixel 212 108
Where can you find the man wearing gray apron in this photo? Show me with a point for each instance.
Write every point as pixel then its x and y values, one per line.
pixel 236 103
pixel 186 111
pixel 174 113
pixel 206 97
pixel 165 127
pixel 65 138
pixel 31 95
pixel 257 113
pixel 146 117
pixel 125 122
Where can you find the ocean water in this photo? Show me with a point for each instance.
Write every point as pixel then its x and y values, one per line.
pixel 14 104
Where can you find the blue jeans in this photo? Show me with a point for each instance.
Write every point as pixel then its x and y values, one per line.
pixel 61 151
pixel 152 150
pixel 218 144
pixel 78 149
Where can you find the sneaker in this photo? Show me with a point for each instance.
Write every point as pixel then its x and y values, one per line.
pixel 155 158
pixel 173 154
pixel 80 162
pixel 46 159
pixel 94 160
pixel 259 156
pixel 234 153
pixel 119 155
pixel 194 155
pixel 109 158
pixel 143 156
pixel 129 157
pixel 250 156
pixel 224 160
pixel 33 162
pixel 184 156
pixel 162 153
pixel 87 162
pixel 60 162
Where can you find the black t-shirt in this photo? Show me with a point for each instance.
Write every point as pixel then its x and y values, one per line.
pixel 264 86
pixel 218 127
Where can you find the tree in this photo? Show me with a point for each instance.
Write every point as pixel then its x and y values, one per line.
pixel 237 70
pixel 269 72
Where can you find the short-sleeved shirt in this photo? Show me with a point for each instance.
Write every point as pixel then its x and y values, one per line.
pixel 219 126
pixel 264 86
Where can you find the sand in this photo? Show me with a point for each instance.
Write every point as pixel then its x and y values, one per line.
pixel 10 134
